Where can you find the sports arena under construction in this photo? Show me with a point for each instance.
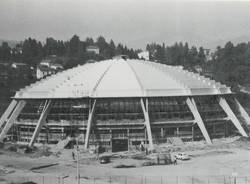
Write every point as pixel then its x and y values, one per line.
pixel 120 103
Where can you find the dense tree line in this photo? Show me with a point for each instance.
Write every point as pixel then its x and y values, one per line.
pixel 5 52
pixel 231 64
pixel 177 54
pixel 31 51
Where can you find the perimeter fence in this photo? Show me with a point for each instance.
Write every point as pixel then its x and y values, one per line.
pixel 65 179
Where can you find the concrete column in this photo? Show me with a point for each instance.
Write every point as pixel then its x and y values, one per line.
pixel 128 139
pixel 213 128
pixel 162 132
pixel 111 138
pixel 147 123
pixel 41 121
pixel 111 134
pixel 242 111
pixel 226 129
pixel 224 105
pixel 10 121
pixel 90 119
pixel 192 106
pixel 177 131
pixel 7 112
pixel 192 133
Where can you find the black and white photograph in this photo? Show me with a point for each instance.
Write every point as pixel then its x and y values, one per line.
pixel 124 92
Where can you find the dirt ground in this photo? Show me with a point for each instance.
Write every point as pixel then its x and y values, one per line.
pixel 217 163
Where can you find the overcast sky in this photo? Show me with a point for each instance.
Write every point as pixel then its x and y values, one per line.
pixel 133 22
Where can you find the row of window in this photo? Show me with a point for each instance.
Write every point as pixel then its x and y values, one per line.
pixel 118 107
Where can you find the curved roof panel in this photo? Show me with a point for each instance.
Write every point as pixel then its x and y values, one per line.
pixel 122 78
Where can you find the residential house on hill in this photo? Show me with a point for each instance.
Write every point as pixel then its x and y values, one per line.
pixel 144 55
pixel 19 65
pixel 93 49
pixel 47 67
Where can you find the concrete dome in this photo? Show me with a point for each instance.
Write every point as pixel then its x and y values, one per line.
pixel 122 78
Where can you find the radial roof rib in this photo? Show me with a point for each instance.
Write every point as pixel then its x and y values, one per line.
pixel 197 84
pixel 84 83
pixel 137 79
pixel 73 83
pixel 119 81
pixel 120 78
pixel 156 82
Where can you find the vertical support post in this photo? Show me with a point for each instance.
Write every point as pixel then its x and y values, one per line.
pixel 7 112
pixel 147 123
pixel 12 118
pixel 111 138
pixel 192 132
pixel 90 118
pixel 162 133
pixel 224 105
pixel 214 128
pixel 242 111
pixel 128 139
pixel 177 131
pixel 77 164
pixel 226 129
pixel 41 121
pixel 192 106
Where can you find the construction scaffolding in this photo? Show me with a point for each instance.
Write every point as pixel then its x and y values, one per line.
pixel 121 120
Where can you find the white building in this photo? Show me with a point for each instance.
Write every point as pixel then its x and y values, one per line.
pixel 45 62
pixel 144 55
pixel 93 49
pixel 18 65
pixel 56 66
pixel 44 70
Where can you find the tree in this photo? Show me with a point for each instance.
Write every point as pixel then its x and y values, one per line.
pixel 112 48
pixel 5 52
pixel 32 51
pixel 61 48
pixel 74 46
pixel 229 48
pixel 201 56
pixel 103 46
pixel 50 46
pixel 89 41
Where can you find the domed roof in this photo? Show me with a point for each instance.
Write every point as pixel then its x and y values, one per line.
pixel 122 78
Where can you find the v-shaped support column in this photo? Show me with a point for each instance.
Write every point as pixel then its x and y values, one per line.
pixel 10 121
pixel 242 111
pixel 41 121
pixel 223 103
pixel 192 106
pixel 147 123
pixel 7 112
pixel 89 125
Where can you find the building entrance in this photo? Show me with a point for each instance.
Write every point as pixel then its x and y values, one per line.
pixel 119 145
